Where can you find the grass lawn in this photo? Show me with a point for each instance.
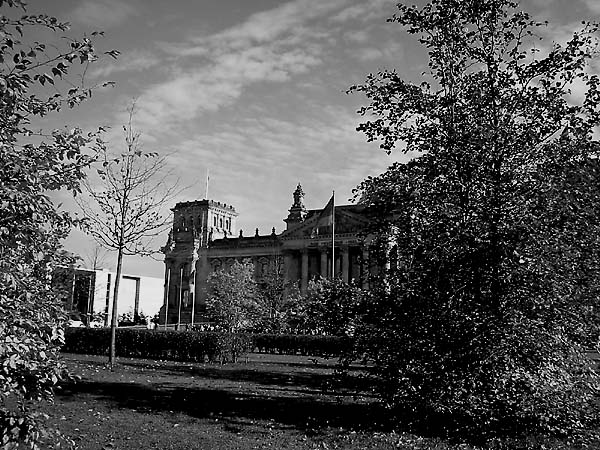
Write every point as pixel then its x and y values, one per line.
pixel 270 402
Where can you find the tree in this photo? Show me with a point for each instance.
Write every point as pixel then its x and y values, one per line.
pixel 332 307
pixel 233 297
pixel 96 257
pixel 279 299
pixel 490 306
pixel 35 80
pixel 124 210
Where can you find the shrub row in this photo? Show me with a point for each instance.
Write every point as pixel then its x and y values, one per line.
pixel 198 346
pixel 162 345
pixel 293 344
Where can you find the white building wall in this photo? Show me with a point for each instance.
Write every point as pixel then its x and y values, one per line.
pixel 151 293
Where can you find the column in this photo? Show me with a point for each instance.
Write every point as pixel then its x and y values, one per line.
pixel 323 263
pixel 287 264
pixel 345 264
pixel 136 306
pixel 336 272
pixel 304 279
pixel 365 269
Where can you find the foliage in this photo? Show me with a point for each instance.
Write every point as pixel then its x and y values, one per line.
pixel 303 344
pixel 125 210
pixel 35 80
pixel 331 307
pixel 130 318
pixel 279 300
pixel 233 301
pixel 493 294
pixel 212 346
pixel 190 346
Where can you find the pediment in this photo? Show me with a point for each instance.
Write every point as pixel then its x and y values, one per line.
pixel 346 221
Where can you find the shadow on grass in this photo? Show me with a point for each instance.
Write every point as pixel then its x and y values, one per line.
pixel 307 412
pixel 319 382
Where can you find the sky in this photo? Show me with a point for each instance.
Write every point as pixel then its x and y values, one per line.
pixel 253 91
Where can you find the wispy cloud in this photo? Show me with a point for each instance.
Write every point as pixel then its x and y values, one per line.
pixel 391 51
pixel 593 6
pixel 103 14
pixel 133 61
pixel 262 154
pixel 364 11
pixel 213 70
pixel 267 26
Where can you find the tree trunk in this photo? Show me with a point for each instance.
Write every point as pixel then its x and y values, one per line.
pixel 114 320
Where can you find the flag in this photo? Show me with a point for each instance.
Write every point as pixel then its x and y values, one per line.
pixel 326 218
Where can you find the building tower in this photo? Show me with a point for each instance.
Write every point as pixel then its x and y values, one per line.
pixel 195 225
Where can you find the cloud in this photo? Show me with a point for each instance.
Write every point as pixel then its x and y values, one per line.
pixel 543 3
pixel 267 155
pixel 391 51
pixel 103 14
pixel 220 83
pixel 212 71
pixel 134 61
pixel 360 36
pixel 593 6
pixel 366 11
pixel 266 26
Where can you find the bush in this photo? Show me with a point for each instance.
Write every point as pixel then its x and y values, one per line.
pixel 130 319
pixel 199 346
pixel 166 345
pixel 292 344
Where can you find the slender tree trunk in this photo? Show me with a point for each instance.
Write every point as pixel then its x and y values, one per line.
pixel 114 320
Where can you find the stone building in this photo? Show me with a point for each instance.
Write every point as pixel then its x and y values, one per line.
pixel 204 239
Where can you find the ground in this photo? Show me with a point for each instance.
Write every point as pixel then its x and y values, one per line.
pixel 266 402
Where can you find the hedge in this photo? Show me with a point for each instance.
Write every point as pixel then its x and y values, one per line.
pixel 162 345
pixel 198 346
pixel 293 344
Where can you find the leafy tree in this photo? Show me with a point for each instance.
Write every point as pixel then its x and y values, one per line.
pixel 35 80
pixel 332 306
pixel 491 302
pixel 124 211
pixel 279 299
pixel 233 300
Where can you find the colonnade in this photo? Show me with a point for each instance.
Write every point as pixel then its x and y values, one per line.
pixel 342 266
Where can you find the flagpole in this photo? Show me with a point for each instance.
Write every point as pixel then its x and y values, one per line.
pixel 206 191
pixel 333 237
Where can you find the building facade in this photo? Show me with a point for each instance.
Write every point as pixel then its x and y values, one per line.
pixel 203 239
pixel 92 291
